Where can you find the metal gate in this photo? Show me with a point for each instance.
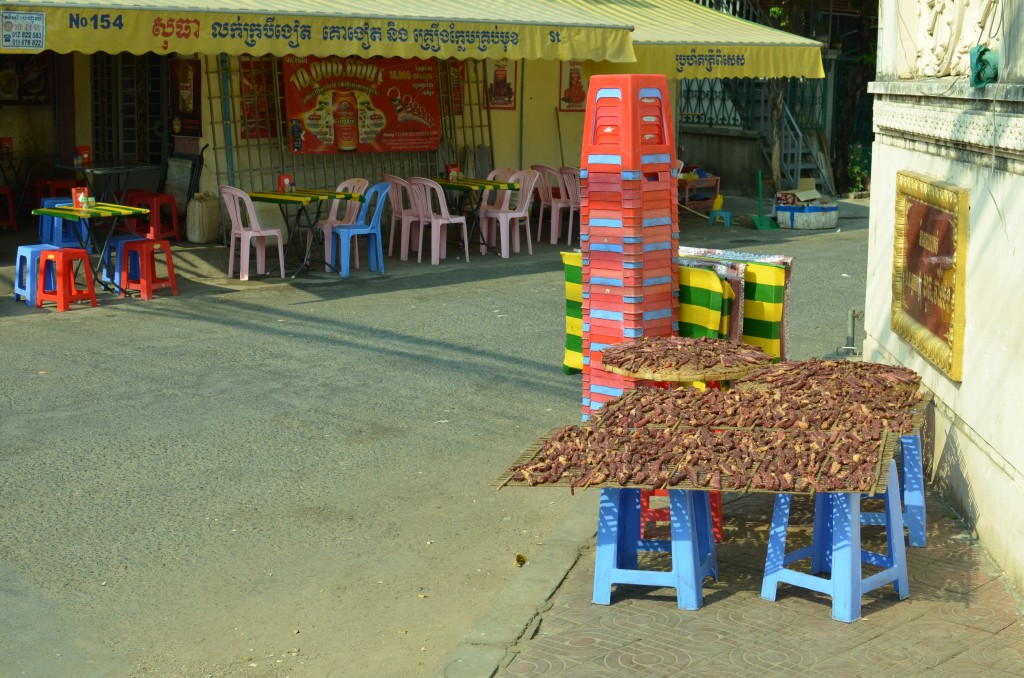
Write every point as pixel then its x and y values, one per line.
pixel 129 107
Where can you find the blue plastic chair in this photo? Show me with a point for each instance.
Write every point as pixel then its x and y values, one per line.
pixel 366 223
pixel 62 232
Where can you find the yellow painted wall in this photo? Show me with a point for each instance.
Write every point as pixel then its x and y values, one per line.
pixel 538 117
pixel 544 128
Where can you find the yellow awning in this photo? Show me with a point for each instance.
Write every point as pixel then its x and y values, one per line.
pixel 685 40
pixel 528 29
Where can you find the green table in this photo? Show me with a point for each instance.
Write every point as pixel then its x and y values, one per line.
pixel 300 198
pixel 477 187
pixel 85 216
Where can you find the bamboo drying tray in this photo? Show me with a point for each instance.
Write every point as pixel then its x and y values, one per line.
pixel 886 448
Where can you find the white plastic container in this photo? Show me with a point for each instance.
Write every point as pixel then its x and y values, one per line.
pixel 807 216
pixel 202 222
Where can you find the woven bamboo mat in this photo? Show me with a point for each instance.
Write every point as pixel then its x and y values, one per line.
pixel 886 449
pixel 717 373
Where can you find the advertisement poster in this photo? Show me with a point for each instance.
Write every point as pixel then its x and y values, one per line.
pixel 186 113
pixel 26 79
pixel 928 270
pixel 375 105
pixel 259 114
pixel 572 87
pixel 502 76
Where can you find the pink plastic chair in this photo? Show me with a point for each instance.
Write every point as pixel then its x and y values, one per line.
pixel 402 213
pixel 490 199
pixel 247 230
pixel 551 178
pixel 351 212
pixel 571 181
pixel 513 214
pixel 433 211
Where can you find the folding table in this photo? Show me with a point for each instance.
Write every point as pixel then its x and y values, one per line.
pixel 300 199
pixel 85 216
pixel 477 187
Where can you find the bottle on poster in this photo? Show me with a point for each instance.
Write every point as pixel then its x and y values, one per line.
pixel 346 120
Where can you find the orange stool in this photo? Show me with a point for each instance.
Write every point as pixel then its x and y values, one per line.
pixel 61 188
pixel 61 265
pixel 7 217
pixel 156 228
pixel 129 198
pixel 148 281
pixel 662 515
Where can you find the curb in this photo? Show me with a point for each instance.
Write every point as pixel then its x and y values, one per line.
pixel 514 610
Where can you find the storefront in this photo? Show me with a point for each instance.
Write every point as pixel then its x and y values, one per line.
pixel 494 85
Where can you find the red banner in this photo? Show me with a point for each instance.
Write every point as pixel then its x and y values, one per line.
pixel 366 105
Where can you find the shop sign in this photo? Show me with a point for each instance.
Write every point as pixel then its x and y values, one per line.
pixel 23 30
pixel 374 105
pixel 929 261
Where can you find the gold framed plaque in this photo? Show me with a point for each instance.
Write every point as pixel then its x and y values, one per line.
pixel 929 268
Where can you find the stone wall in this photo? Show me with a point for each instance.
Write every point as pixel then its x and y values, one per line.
pixel 929 120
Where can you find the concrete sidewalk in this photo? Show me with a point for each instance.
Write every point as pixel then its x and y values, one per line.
pixel 962 616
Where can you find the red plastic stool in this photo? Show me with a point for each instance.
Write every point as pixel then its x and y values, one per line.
pixel 62 265
pixel 61 188
pixel 662 515
pixel 156 228
pixel 148 281
pixel 7 217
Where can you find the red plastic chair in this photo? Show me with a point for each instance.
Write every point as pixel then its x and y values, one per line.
pixel 7 216
pixel 245 228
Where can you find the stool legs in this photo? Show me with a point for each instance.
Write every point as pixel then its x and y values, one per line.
pixel 836 550
pixel 61 263
pixel 148 281
pixel 912 491
pixel 914 514
pixel 618 542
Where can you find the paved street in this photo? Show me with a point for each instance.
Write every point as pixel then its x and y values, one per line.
pixel 273 478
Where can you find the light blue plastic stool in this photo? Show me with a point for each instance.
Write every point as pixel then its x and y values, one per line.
pixel 724 215
pixel 112 259
pixel 912 492
pixel 618 542
pixel 26 272
pixel 836 551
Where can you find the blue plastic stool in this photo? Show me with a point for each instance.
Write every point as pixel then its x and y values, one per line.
pixel 724 215
pixel 618 541
pixel 911 491
pixel 62 232
pixel 26 272
pixel 112 259
pixel 836 551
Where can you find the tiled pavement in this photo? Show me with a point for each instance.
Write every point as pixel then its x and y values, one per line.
pixel 962 617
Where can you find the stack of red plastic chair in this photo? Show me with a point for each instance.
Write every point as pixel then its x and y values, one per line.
pixel 629 224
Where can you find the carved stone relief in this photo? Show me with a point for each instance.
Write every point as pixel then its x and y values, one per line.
pixel 948 29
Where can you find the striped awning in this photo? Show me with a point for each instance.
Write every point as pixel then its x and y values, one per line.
pixel 516 29
pixel 685 40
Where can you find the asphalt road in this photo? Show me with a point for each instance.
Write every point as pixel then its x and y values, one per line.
pixel 293 478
